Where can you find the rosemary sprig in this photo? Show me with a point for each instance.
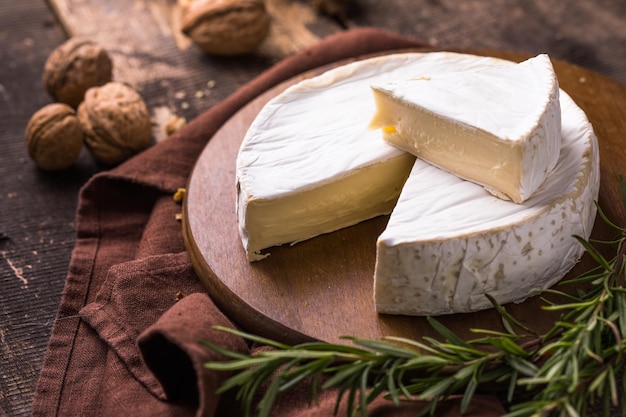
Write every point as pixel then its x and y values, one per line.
pixel 563 372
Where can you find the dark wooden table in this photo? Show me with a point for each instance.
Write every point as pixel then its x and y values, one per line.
pixel 37 208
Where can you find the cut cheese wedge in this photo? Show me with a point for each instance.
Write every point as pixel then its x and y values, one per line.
pixel 500 128
pixel 309 164
pixel 448 242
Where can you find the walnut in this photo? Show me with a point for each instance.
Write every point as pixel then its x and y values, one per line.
pixel 115 122
pixel 225 27
pixel 54 137
pixel 74 67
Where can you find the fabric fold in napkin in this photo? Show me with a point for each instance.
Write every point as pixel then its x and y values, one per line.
pixel 125 339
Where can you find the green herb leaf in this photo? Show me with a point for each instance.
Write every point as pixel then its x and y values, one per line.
pixel 558 373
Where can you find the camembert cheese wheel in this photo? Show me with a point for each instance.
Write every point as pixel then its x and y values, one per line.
pixel 500 127
pixel 309 164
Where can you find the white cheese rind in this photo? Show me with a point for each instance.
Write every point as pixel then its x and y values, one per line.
pixel 498 127
pixel 314 138
pixel 449 242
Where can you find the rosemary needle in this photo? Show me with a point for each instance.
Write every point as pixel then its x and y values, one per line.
pixel 578 363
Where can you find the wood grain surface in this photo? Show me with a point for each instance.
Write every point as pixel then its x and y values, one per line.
pixel 322 289
pixel 37 209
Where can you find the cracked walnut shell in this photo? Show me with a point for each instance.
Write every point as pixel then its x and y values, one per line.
pixel 225 27
pixel 74 67
pixel 54 137
pixel 115 122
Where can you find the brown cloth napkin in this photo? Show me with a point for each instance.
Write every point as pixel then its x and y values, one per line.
pixel 124 342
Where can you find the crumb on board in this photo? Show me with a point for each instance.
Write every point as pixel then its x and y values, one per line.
pixel 174 124
pixel 179 195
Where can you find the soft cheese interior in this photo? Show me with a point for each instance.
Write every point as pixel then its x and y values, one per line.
pixel 448 242
pixel 500 127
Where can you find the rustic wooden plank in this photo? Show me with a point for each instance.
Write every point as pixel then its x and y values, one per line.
pixel 589 34
pixel 36 209
pixel 151 54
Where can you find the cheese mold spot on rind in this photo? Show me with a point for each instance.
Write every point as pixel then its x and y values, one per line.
pixel 498 127
pixel 449 242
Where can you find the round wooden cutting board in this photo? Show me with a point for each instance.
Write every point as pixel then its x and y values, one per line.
pixel 322 289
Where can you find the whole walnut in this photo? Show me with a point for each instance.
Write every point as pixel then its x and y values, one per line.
pixel 225 27
pixel 115 122
pixel 54 137
pixel 74 67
